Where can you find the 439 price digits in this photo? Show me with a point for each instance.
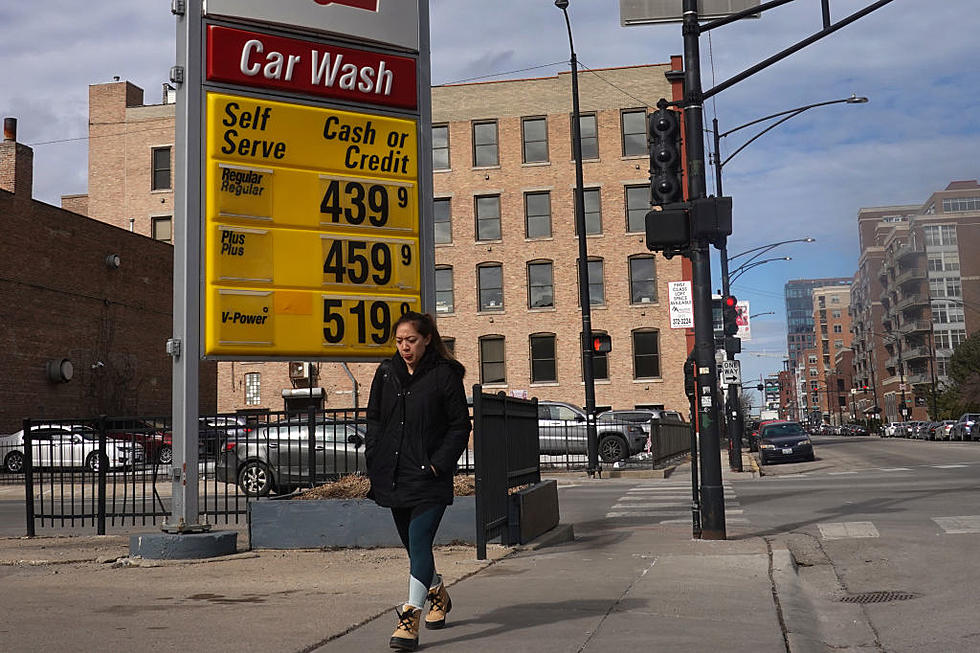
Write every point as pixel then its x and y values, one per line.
pixel 366 318
pixel 354 202
pixel 354 260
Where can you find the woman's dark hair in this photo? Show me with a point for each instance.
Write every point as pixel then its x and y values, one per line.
pixel 426 326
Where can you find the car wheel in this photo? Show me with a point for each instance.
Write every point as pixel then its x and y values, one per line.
pixel 166 455
pixel 255 479
pixel 94 461
pixel 14 462
pixel 810 458
pixel 612 448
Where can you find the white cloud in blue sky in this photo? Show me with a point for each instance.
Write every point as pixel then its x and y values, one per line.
pixel 917 61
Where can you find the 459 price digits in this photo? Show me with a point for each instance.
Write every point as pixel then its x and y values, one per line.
pixel 354 202
pixel 366 319
pixel 357 262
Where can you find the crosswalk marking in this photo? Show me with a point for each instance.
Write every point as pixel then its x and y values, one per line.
pixel 846 530
pixel 956 525
pixel 894 469
pixel 668 503
pixel 954 466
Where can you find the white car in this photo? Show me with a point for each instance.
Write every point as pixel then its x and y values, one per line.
pixel 55 445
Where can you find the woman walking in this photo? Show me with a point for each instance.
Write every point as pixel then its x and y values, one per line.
pixel 418 426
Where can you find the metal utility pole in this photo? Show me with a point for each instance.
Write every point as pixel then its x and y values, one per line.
pixel 712 493
pixel 585 301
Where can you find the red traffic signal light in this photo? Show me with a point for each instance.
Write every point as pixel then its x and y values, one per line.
pixel 731 302
pixel 729 311
pixel 601 343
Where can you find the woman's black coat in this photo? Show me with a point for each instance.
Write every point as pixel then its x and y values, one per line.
pixel 415 423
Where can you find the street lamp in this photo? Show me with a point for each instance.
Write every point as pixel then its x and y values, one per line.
pixel 588 375
pixel 762 249
pixel 745 267
pixel 735 425
pixel 754 315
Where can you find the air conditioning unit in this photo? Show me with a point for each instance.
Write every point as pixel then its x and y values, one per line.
pixel 299 370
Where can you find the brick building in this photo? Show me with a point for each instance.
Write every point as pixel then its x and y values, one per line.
pixel 920 297
pixel 832 322
pixel 506 249
pixel 86 310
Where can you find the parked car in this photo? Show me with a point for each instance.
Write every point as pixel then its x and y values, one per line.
pixel 55 445
pixel 945 426
pixel 642 417
pixel 562 430
pixel 890 430
pixel 782 441
pixel 277 457
pixel 155 437
pixel 215 430
pixel 855 429
pixel 966 427
pixel 754 436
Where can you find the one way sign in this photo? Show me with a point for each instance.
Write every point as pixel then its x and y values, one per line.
pixel 731 373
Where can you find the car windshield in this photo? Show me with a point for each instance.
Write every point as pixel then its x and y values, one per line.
pixel 777 430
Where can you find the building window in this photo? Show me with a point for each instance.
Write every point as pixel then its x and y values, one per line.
pixel 597 291
pixel 593 211
pixel 637 206
pixel 253 389
pixel 812 359
pixel 834 299
pixel 537 215
pixel 589 133
pixel 442 220
pixel 444 290
pixel 540 285
pixel 961 204
pixel 838 328
pixel 161 169
pixel 450 345
pixel 600 362
pixel 485 144
pixel 643 280
pixel 535 135
pixel 835 314
pixel 646 354
pixel 634 123
pixel 813 371
pixel 440 147
pixel 162 229
pixel 488 217
pixel 492 367
pixel 838 344
pixel 543 366
pixel 491 287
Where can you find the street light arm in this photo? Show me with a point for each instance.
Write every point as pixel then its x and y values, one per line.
pixel 766 248
pixel 760 134
pixel 854 99
pixel 745 267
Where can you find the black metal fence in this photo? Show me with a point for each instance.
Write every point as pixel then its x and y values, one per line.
pixel 506 450
pixel 116 472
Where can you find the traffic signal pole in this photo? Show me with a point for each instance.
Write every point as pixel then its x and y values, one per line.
pixel 712 493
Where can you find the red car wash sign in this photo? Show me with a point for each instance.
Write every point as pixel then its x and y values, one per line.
pixel 264 61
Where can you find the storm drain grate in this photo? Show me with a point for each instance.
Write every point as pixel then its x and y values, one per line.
pixel 878 597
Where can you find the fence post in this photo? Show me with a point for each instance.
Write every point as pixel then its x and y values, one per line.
pixel 103 470
pixel 478 471
pixel 29 478
pixel 311 443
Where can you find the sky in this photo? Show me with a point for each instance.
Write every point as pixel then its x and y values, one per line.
pixel 916 62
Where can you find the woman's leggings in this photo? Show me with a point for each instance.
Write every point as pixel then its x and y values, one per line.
pixel 417 528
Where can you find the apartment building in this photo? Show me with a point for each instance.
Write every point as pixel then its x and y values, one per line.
pixel 506 248
pixel 832 322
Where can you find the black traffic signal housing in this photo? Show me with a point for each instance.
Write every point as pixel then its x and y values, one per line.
pixel 729 312
pixel 733 345
pixel 666 177
pixel 601 343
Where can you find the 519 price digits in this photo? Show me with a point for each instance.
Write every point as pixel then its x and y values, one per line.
pixel 369 319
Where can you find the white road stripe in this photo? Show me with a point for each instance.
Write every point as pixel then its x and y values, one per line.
pixel 735 520
pixel 956 466
pixel 840 473
pixel 954 525
pixel 647 506
pixel 894 469
pixel 847 530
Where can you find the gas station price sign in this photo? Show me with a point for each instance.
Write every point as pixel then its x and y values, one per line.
pixel 312 244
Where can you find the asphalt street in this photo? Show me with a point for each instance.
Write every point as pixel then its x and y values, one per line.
pixel 891 516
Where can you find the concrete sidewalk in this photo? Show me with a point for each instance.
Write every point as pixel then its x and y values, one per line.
pixel 616 586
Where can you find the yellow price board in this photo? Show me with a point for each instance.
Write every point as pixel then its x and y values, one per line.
pixel 299 324
pixel 331 262
pixel 312 230
pixel 263 132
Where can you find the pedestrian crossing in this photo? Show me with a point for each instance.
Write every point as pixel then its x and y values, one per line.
pixel 668 503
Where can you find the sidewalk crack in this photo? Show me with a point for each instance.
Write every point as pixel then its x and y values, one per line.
pixel 612 607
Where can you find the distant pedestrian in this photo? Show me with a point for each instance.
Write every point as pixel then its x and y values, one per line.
pixel 418 426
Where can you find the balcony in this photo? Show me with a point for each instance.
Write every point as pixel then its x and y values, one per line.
pixel 918 379
pixel 907 251
pixel 917 353
pixel 915 299
pixel 914 274
pixel 915 326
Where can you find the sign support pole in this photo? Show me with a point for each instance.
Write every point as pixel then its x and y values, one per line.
pixel 185 346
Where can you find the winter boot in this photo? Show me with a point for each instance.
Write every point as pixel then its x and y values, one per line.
pixel 406 635
pixel 439 606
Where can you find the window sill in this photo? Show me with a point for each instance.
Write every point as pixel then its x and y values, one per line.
pixel 496 386
pixel 479 243
pixel 644 304
pixel 545 384
pixel 482 168
pixel 634 157
pixel 597 382
pixel 434 171
pixel 536 164
pixel 491 313
pixel 447 314
pixel 655 379
pixel 159 191
pixel 537 239
pixel 445 244
pixel 541 309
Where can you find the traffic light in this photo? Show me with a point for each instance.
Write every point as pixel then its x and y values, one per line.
pixel 601 343
pixel 729 312
pixel 666 183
